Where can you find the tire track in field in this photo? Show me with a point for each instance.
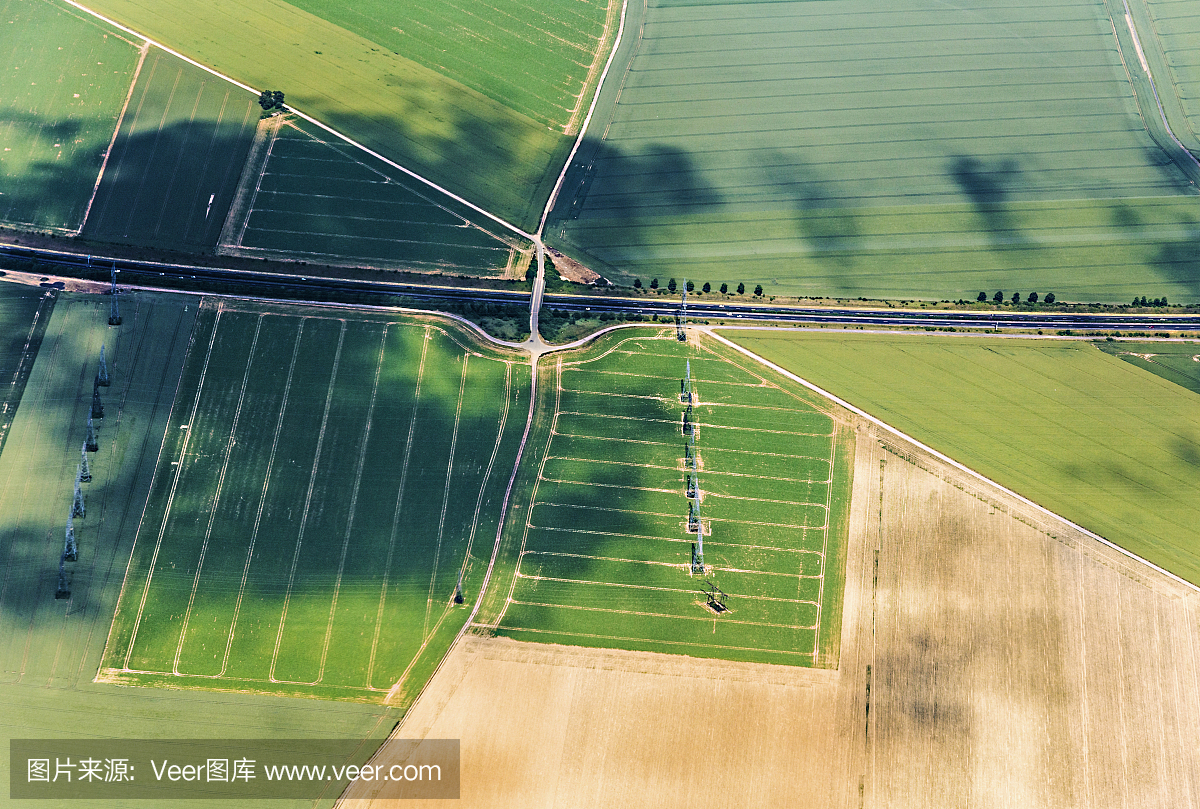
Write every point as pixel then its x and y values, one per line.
pixel 312 482
pixel 212 514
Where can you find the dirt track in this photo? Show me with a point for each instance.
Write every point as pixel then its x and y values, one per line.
pixel 1010 662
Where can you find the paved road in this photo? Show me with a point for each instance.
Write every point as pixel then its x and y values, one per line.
pixel 148 272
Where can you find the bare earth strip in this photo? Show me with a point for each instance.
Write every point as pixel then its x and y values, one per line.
pixel 990 657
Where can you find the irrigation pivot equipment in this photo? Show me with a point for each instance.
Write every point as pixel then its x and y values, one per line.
pixel 102 378
pixel 114 310
pixel 97 405
pixel 70 549
pixel 685 385
pixel 90 444
pixel 77 509
pixel 64 590
pixel 681 317
pixel 85 471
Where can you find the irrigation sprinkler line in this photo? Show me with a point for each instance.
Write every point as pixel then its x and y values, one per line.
pixel 112 143
pixel 948 460
pixel 262 501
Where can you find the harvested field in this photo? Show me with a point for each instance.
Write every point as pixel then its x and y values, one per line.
pixel 988 659
pixel 63 83
pixel 176 161
pixel 881 149
pixel 307 198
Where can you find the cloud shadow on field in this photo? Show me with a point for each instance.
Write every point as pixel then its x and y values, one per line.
pixel 988 187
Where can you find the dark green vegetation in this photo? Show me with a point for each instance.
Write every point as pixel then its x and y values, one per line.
pixel 64 77
pixel 24 313
pixel 1176 362
pixel 601 542
pixel 502 155
pixel 177 159
pixel 1104 444
pixel 322 484
pixel 51 649
pixel 307 198
pixel 887 150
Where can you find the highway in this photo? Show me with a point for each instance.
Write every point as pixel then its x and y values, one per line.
pixel 148 273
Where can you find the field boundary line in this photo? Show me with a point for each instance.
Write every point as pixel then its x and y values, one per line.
pixel 536 483
pixel 262 500
pixel 594 67
pixel 362 456
pixel 562 175
pixel 387 565
pixel 162 529
pixel 146 505
pixel 508 368
pixel 824 548
pixel 212 513
pixel 315 122
pixel 142 52
pixel 1162 114
pixel 312 482
pixel 462 386
pixel 948 460
pixel 265 136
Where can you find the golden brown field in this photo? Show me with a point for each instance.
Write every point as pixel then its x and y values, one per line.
pixel 989 658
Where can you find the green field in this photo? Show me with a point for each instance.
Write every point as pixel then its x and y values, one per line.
pixel 64 79
pixel 177 158
pixel 1083 434
pixel 24 312
pixel 602 546
pixel 1170 29
pixel 322 484
pixel 536 58
pixel 1175 362
pixel 311 199
pixel 882 150
pixel 488 151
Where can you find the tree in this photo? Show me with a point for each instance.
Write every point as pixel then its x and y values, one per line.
pixel 982 297
pixel 741 289
pixel 654 283
pixel 758 290
pixel 724 289
pixel 531 273
pixel 1143 300
pixel 270 100
pixel 672 286
pixel 1033 297
pixel 706 288
pixel 637 283
pixel 1016 298
pixel 998 297
pixel 691 285
pixel 1049 297
pixel 1164 301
